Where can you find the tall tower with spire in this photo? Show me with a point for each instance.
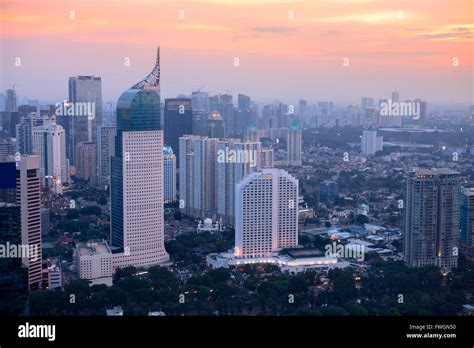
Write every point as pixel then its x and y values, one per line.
pixel 137 227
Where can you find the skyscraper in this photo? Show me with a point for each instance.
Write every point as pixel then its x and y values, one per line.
pixel 242 117
pixel 28 197
pixel 169 174
pixel 293 146
pixel 178 120
pixel 226 109
pixel 86 166
pixel 87 89
pixel 105 151
pixel 49 142
pixel 371 143
pixel 84 89
pixel 137 176
pixel 432 218
pixel 266 213
pixel 11 101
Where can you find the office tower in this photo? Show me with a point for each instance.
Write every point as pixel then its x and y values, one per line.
pixel 293 146
pixel 304 112
pixel 242 116
pixel 28 197
pixel 85 94
pixel 197 175
pixel 266 213
pixel 105 151
pixel 467 220
pixel 269 117
pixel 137 176
pixel 432 218
pixel 266 157
pixel 49 142
pixel 9 120
pixel 178 120
pixel 200 101
pixel 86 166
pixel 422 116
pixel 235 159
pixel 215 125
pixel 226 109
pixel 214 103
pixel 11 100
pixel 88 89
pixel 371 143
pixel 169 174
pixel 6 150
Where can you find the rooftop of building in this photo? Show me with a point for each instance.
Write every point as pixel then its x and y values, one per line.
pixel 93 247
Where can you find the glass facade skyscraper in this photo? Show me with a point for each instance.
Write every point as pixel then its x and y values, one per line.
pixel 137 176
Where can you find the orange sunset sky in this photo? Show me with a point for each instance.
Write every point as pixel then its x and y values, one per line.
pixel 286 49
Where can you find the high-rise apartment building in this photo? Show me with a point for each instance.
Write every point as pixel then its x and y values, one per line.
pixel 49 142
pixel 432 218
pixel 86 166
pixel 266 213
pixel 169 174
pixel 197 175
pixel 137 177
pixel 293 146
pixel 235 159
pixel 467 220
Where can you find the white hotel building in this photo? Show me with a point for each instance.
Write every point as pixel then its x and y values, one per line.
pixel 266 214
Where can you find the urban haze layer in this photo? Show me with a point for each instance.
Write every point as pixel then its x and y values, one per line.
pixel 222 203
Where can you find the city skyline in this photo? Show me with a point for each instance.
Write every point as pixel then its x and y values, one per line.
pixel 268 50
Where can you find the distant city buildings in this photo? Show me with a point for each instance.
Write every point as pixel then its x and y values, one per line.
pixel 266 213
pixel 432 221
